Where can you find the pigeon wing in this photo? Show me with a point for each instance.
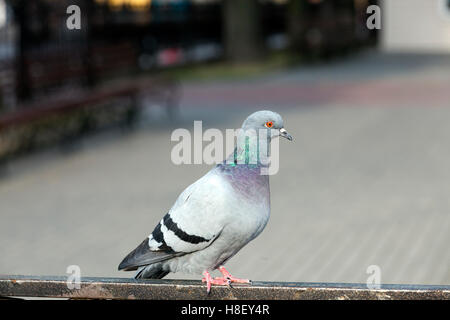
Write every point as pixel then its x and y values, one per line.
pixel 192 224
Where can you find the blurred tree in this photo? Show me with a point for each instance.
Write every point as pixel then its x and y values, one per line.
pixel 90 72
pixel 32 20
pixel 242 30
pixel 322 28
pixel 296 24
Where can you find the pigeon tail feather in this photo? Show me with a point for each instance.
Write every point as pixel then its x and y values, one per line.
pixel 143 256
pixel 151 273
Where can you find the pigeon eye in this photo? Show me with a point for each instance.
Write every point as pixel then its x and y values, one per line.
pixel 269 124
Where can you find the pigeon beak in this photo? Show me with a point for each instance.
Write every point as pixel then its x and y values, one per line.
pixel 285 134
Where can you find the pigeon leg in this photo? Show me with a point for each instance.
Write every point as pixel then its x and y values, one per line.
pixel 217 281
pixel 230 278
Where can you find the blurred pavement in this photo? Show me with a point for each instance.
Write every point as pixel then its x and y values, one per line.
pixel 365 182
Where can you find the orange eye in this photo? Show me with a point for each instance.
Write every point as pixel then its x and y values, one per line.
pixel 269 124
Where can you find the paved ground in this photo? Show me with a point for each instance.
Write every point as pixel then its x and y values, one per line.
pixel 366 181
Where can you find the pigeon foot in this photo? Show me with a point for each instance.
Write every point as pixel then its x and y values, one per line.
pixel 228 276
pixel 226 280
pixel 216 281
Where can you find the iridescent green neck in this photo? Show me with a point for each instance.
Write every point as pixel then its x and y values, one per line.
pixel 249 152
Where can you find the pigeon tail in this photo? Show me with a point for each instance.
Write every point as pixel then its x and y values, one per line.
pixel 153 272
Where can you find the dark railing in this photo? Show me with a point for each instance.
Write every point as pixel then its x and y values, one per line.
pixel 121 288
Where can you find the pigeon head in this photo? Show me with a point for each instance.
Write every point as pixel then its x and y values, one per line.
pixel 253 140
pixel 266 120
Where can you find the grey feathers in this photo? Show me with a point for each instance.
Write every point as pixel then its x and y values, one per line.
pixel 181 230
pixel 257 120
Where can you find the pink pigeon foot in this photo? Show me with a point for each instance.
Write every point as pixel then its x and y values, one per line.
pixel 226 280
pixel 230 278
pixel 217 281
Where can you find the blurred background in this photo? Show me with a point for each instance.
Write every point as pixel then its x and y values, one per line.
pixel 86 117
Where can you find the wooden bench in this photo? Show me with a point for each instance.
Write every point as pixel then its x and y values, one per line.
pixel 64 105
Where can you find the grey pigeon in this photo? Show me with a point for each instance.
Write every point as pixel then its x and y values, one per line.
pixel 217 215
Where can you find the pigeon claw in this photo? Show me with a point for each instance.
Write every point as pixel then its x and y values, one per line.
pixel 226 280
pixel 232 279
pixel 216 281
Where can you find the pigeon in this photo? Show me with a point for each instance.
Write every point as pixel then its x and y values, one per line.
pixel 217 215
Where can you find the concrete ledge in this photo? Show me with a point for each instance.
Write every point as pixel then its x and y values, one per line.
pixel 125 288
